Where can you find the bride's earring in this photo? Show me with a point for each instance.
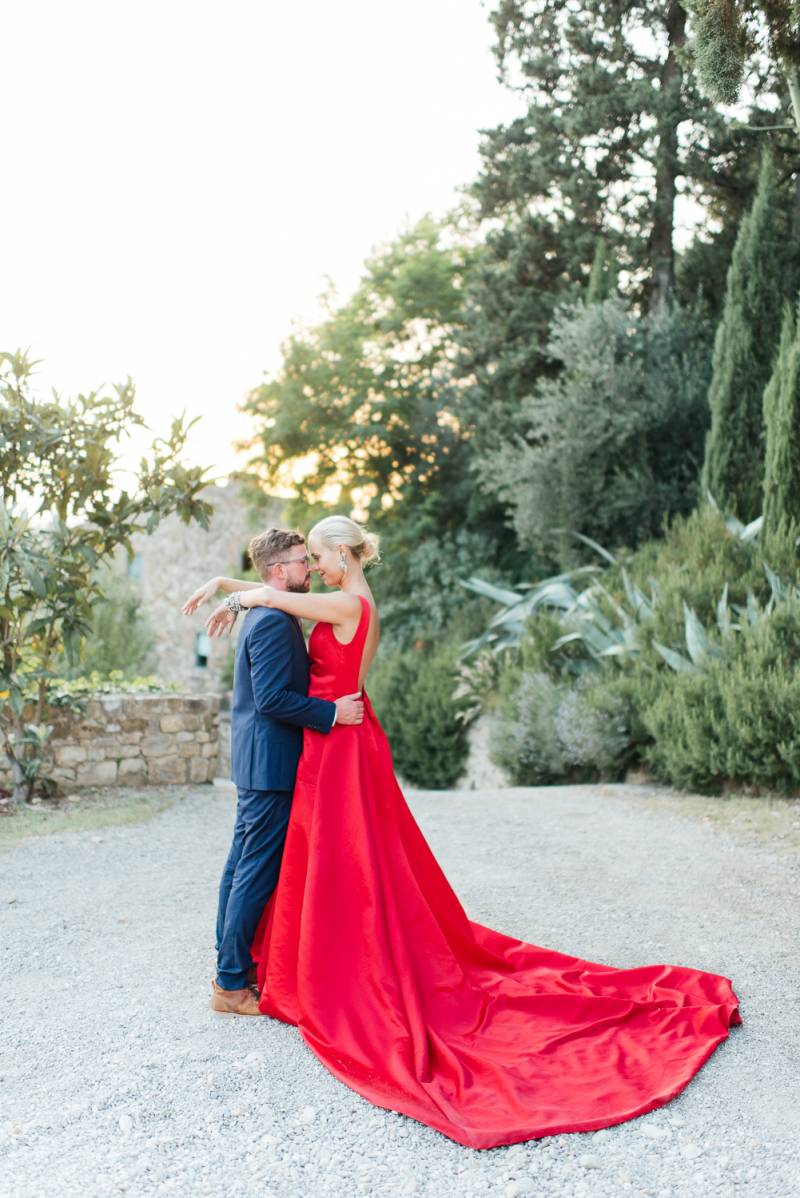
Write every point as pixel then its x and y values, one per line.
pixel 343 564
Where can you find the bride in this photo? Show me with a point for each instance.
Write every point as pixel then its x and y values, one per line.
pixel 365 948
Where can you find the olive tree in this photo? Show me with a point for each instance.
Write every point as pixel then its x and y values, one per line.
pixel 67 508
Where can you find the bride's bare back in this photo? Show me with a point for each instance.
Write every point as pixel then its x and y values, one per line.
pixel 373 635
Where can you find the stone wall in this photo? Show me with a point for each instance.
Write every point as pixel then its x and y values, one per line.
pixel 129 740
pixel 173 561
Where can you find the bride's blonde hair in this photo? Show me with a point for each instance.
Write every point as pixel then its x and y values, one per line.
pixel 341 530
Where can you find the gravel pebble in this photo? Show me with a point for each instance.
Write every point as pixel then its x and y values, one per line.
pixel 115 1078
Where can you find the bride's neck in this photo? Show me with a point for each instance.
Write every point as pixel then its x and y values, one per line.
pixel 353 582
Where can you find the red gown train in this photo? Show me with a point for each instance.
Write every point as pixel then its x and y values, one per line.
pixel 366 949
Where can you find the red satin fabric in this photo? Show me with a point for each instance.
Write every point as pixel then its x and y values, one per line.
pixel 365 947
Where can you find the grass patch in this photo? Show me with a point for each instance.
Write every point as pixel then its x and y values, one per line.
pixel 100 808
pixel 767 819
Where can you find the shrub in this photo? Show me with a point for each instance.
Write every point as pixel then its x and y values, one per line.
pixel 557 731
pixel 739 721
pixel 68 692
pixel 700 599
pixel 693 563
pixel 624 419
pixel 412 692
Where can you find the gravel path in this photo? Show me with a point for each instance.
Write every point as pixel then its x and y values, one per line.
pixel 116 1078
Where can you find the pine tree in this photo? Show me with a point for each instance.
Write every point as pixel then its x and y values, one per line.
pixel 728 35
pixel 606 89
pixel 743 355
pixel 782 420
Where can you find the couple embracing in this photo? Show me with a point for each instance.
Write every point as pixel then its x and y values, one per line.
pixel 335 916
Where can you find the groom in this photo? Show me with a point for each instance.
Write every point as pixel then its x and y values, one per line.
pixel 270 709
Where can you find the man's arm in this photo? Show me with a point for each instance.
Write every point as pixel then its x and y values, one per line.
pixel 270 654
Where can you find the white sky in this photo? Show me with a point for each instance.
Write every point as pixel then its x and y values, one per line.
pixel 180 177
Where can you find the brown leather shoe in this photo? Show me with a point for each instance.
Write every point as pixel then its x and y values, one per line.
pixel 233 1002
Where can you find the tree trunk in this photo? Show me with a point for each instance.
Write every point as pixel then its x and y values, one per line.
pixel 662 253
pixel 22 788
pixel 793 83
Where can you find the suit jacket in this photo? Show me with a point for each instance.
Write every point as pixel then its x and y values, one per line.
pixel 270 701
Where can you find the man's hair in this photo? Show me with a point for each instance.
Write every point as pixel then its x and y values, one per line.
pixel 272 545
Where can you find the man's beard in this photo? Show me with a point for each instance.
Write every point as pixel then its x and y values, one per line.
pixel 299 588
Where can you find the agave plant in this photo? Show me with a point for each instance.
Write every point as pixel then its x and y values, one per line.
pixel 584 612
pixel 507 627
pixel 742 532
pixel 700 650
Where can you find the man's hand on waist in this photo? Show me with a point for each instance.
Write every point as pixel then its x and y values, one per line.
pixel 349 709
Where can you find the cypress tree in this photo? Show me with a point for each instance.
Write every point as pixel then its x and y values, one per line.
pixel 744 348
pixel 603 277
pixel 782 420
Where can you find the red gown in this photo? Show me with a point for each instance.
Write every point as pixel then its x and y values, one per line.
pixel 364 946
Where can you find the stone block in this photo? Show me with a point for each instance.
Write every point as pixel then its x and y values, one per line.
pixel 126 752
pixel 198 770
pixel 130 738
pixel 60 774
pixel 70 755
pixel 166 769
pixel 202 738
pixel 188 750
pixel 208 750
pixel 182 737
pixel 173 722
pixel 157 745
pixel 85 729
pixel 97 773
pixel 134 725
pixel 133 769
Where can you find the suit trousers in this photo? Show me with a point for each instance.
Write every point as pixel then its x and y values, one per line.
pixel 248 879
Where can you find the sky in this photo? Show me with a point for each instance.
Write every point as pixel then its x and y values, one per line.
pixel 181 178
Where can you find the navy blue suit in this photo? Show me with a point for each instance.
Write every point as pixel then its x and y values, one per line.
pixel 270 709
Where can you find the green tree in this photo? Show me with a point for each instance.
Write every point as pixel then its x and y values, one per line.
pixel 612 445
pixel 65 512
pixel 782 421
pixel 743 353
pixel 603 280
pixel 361 411
pixel 728 34
pixel 365 415
pixel 612 126
pixel 597 151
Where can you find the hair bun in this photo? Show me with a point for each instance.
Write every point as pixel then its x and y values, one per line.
pixel 341 530
pixel 369 548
